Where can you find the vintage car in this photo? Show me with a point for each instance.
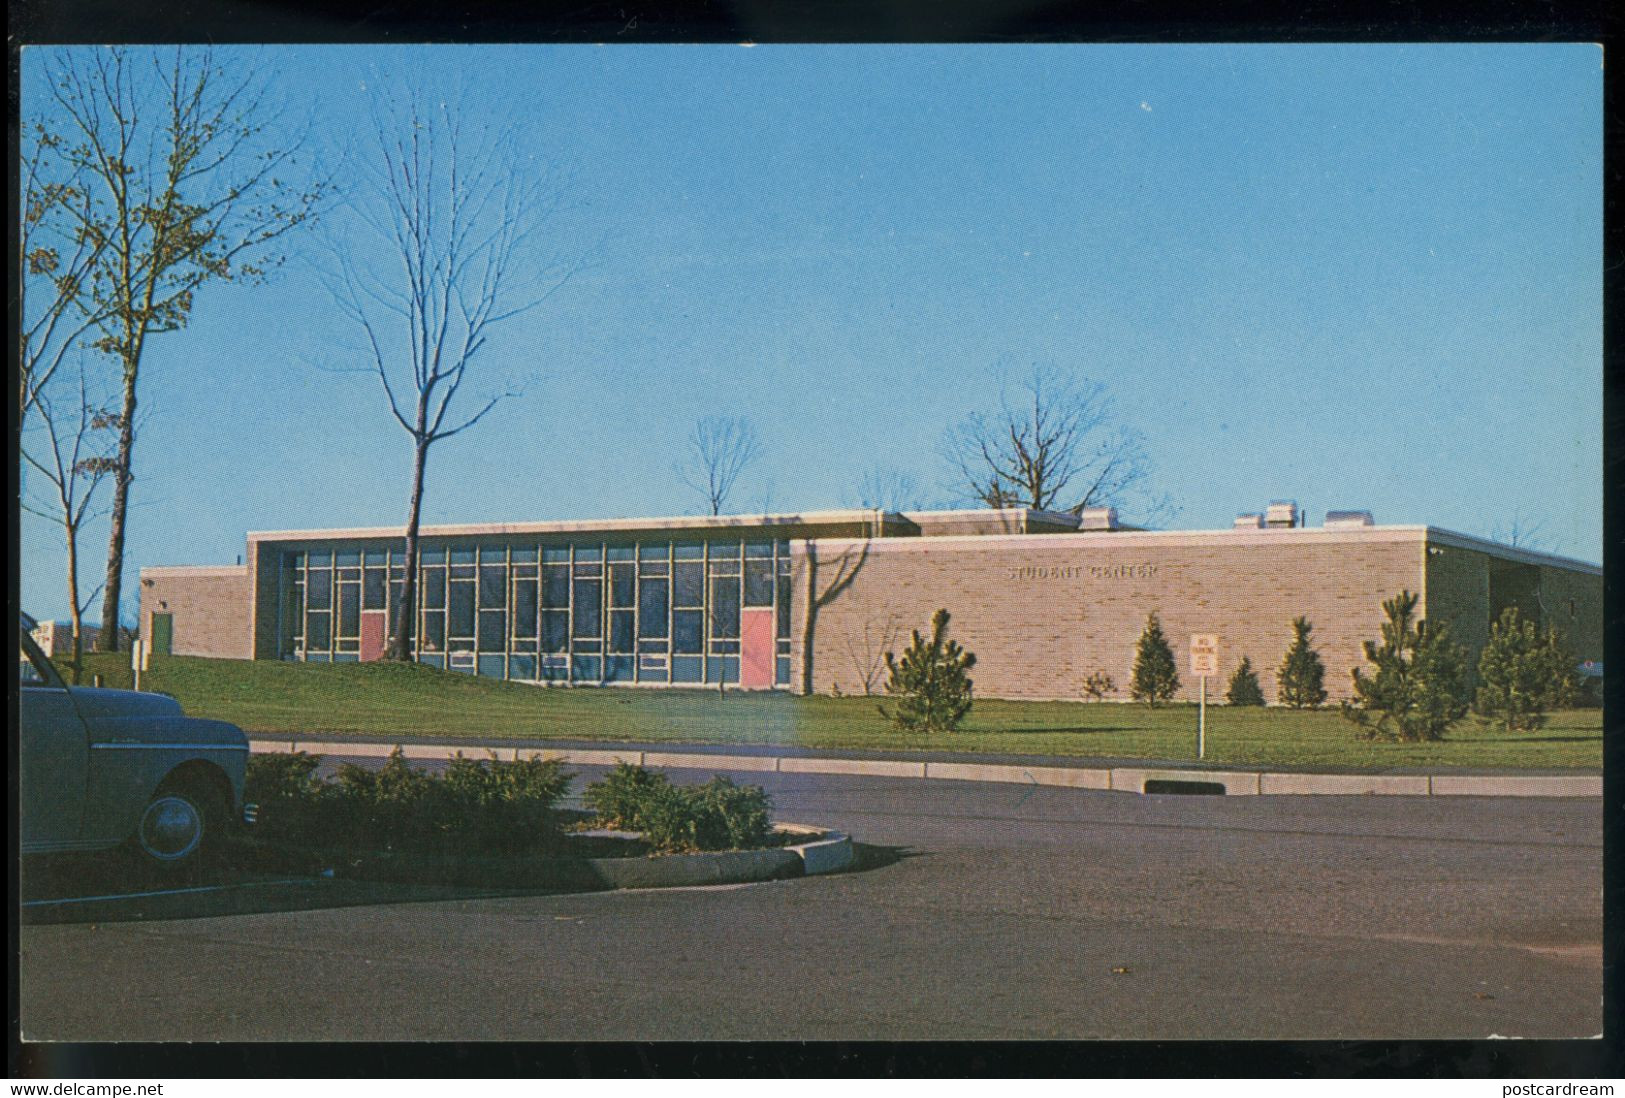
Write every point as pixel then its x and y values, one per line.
pixel 101 768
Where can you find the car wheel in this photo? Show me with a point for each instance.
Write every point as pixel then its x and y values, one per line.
pixel 175 829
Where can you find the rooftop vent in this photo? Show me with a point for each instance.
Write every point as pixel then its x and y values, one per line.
pixel 1281 514
pixel 1249 522
pixel 1098 518
pixel 1340 520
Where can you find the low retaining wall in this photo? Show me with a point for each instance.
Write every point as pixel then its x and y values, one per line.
pixel 826 852
pixel 1121 778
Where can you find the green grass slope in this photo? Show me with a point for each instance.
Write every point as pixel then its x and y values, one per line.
pixel 411 701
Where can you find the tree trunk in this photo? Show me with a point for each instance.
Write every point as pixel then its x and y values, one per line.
pixel 73 603
pixel 108 641
pixel 400 644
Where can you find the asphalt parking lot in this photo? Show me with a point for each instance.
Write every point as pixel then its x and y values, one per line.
pixel 983 911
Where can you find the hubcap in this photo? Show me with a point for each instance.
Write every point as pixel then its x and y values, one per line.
pixel 171 828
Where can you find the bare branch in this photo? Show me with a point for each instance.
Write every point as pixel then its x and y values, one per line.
pixel 1052 446
pixel 719 450
pixel 440 247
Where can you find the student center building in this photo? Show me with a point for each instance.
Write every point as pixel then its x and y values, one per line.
pixel 809 603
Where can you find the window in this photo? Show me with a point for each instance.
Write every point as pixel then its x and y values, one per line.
pixel 524 608
pixel 460 617
pixel 493 584
pixel 320 590
pixel 434 631
pixel 687 631
pixel 688 589
pixel 372 589
pixel 589 615
pixel 555 630
pixel 653 605
pixel 434 587
pixel 758 583
pixel 725 607
pixel 493 630
pixel 349 609
pixel 620 631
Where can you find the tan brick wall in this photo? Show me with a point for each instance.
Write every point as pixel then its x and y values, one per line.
pixel 209 608
pixel 1581 623
pixel 1458 590
pixel 1041 613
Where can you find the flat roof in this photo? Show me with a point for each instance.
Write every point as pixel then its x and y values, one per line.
pixel 894 523
pixel 851 516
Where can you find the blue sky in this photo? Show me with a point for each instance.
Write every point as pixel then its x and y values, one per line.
pixel 1357 276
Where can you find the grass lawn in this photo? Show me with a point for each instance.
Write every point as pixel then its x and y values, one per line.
pixel 419 702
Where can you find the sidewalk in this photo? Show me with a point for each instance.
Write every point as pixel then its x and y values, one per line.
pixel 1122 774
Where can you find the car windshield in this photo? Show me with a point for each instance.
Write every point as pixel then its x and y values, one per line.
pixel 31 665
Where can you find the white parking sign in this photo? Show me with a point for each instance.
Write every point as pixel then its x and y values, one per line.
pixel 1204 655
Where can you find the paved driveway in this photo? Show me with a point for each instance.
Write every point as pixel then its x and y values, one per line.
pixel 986 911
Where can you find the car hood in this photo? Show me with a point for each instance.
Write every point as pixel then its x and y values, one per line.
pixel 96 703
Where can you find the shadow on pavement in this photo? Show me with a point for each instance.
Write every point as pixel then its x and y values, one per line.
pixel 113 888
pixel 116 888
pixel 874 856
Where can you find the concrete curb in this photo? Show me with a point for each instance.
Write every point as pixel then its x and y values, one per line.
pixel 831 852
pixel 687 870
pixel 1121 778
pixel 828 852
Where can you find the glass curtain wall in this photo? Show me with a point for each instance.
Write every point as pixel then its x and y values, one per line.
pixel 584 612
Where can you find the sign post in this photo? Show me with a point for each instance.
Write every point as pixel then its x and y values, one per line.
pixel 1204 662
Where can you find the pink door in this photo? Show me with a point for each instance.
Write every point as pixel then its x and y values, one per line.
pixel 756 649
pixel 372 636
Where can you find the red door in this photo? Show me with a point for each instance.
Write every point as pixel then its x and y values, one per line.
pixel 372 636
pixel 756 649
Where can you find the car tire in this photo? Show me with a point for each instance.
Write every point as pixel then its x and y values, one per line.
pixel 177 829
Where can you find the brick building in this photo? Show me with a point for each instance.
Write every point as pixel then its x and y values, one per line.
pixel 810 602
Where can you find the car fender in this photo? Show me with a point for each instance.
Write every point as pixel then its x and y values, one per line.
pixel 130 757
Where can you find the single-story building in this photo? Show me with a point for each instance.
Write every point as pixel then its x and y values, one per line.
pixel 811 602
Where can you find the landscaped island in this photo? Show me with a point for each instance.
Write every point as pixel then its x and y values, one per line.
pixel 411 702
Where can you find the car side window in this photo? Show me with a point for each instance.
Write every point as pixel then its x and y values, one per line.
pixel 32 667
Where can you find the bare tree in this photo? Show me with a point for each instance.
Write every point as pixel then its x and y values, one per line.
pixel 888 489
pixel 1521 532
pixel 1053 445
pixel 866 650
pixel 720 448
pixel 182 184
pixel 58 253
pixel 441 251
pixel 73 450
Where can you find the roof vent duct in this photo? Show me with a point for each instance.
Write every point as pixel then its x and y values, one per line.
pixel 1282 513
pixel 1098 518
pixel 1249 522
pixel 1343 520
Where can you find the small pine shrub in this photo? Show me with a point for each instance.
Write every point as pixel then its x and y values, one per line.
pixel 718 815
pixel 1524 674
pixel 621 796
pixel 931 681
pixel 478 805
pixel 1416 691
pixel 1244 689
pixel 1300 683
pixel 1098 685
pixel 501 805
pixel 279 776
pixel 1156 677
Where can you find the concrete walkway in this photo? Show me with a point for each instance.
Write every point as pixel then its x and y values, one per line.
pixel 1126 775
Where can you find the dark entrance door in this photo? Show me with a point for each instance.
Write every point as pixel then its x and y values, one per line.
pixel 163 633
